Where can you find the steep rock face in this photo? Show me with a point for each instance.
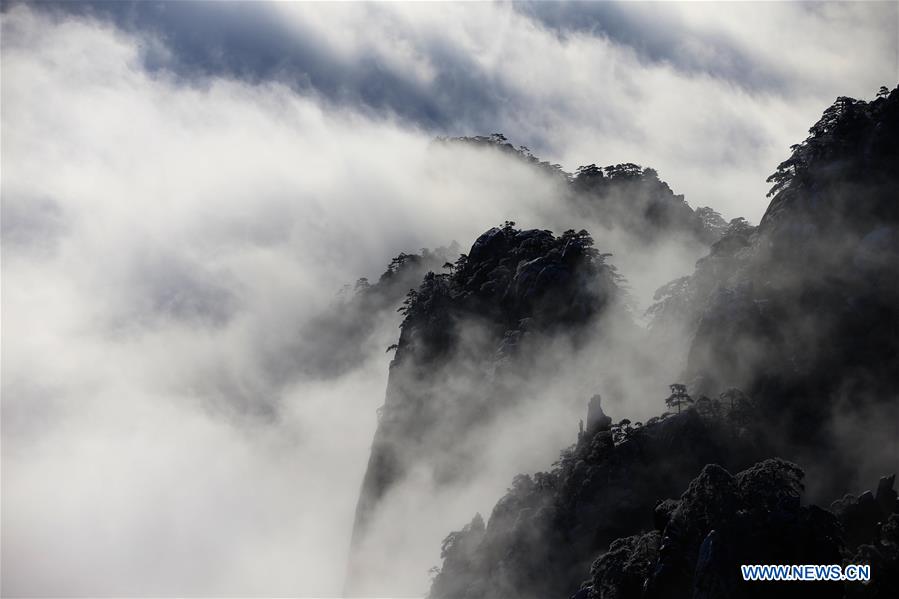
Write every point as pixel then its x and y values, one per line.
pixel 469 343
pixel 346 328
pixel 828 246
pixel 802 312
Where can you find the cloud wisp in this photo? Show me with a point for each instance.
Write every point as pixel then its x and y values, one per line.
pixel 711 95
pixel 178 201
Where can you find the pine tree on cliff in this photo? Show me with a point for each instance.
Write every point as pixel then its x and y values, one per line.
pixel 679 397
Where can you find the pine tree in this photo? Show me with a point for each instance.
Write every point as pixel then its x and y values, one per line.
pixel 679 397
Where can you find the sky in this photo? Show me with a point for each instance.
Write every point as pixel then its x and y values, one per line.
pixel 184 185
pixel 710 94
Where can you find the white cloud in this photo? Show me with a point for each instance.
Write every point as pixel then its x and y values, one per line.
pixel 584 97
pixel 163 236
pixel 161 242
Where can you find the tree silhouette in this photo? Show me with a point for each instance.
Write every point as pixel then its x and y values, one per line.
pixel 627 170
pixel 408 303
pixel 837 122
pixel 589 171
pixel 679 397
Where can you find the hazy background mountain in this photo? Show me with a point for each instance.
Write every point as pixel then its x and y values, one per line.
pixel 791 329
pixel 186 188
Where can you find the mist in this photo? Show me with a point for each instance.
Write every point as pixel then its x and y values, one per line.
pixel 153 276
pixel 167 237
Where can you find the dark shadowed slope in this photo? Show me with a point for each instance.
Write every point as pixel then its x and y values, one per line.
pixel 721 522
pixel 469 342
pixel 802 313
pixel 542 536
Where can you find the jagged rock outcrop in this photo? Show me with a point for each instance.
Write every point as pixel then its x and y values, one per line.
pixel 803 313
pixel 469 344
pixel 543 535
pixel 754 517
pixel 596 418
pixel 828 245
pixel 536 540
pixel 346 327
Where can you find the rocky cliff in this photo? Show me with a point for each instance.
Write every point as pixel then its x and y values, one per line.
pixel 469 340
pixel 801 312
